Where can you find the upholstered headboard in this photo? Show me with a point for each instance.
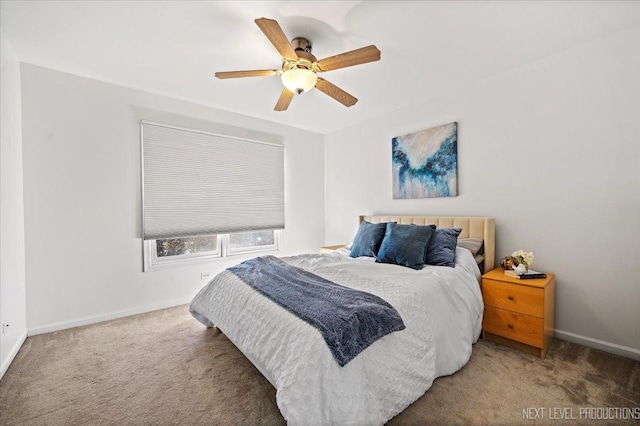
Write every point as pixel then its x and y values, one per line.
pixel 472 227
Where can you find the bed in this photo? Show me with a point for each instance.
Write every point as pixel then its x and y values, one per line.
pixel 441 307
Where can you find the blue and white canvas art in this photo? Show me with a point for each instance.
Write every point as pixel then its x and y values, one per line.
pixel 425 163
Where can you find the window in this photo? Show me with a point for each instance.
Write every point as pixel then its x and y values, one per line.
pixel 247 242
pixel 206 195
pixel 190 250
pixel 188 246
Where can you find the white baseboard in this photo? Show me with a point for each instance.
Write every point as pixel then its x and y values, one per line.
pixel 611 348
pixel 12 354
pixel 48 328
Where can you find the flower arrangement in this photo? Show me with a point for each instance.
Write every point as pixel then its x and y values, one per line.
pixel 524 257
pixel 520 261
pixel 524 261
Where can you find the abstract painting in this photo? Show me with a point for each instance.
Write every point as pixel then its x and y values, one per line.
pixel 425 163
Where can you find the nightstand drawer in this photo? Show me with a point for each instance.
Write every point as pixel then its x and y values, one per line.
pixel 513 297
pixel 522 328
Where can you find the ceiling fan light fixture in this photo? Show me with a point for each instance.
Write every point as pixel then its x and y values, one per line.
pixel 299 80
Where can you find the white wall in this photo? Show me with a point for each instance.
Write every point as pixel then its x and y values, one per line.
pixel 82 197
pixel 552 151
pixel 12 262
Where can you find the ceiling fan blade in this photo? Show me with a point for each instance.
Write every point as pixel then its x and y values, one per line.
pixel 276 36
pixel 251 73
pixel 335 92
pixel 284 100
pixel 348 59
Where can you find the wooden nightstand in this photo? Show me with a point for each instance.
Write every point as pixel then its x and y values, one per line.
pixel 329 249
pixel 518 313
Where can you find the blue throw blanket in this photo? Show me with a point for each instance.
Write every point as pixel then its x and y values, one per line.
pixel 349 320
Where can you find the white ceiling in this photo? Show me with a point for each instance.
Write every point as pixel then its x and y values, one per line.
pixel 428 48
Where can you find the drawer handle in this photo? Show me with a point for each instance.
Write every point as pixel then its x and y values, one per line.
pixel 510 298
pixel 510 326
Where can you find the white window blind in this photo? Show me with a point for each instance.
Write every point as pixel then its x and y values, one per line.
pixel 199 183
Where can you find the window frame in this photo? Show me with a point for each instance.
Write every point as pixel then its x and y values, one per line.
pixel 151 261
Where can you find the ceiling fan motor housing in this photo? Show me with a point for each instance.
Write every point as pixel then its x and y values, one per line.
pixel 305 60
pixel 301 43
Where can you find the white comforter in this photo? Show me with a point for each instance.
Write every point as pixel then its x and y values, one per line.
pixel 441 308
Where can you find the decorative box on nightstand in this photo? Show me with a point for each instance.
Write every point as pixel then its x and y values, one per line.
pixel 329 249
pixel 518 313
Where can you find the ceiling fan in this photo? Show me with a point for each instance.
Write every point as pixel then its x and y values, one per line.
pixel 300 67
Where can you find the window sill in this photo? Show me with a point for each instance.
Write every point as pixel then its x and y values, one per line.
pixel 199 260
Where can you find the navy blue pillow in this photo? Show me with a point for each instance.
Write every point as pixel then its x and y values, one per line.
pixel 405 245
pixel 368 239
pixel 442 248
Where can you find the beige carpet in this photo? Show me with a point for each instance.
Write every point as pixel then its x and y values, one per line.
pixel 165 368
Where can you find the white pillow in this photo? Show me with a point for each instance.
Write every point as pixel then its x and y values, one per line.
pixel 474 245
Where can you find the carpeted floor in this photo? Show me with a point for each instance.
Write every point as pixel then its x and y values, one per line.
pixel 165 368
